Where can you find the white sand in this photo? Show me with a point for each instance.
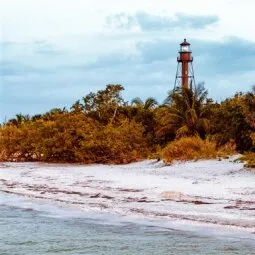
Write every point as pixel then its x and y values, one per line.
pixel 209 192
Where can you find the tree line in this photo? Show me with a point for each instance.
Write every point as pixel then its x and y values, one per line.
pixel 103 128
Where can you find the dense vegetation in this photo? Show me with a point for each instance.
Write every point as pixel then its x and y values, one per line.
pixel 103 128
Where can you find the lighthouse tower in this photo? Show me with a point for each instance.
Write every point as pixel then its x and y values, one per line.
pixel 185 73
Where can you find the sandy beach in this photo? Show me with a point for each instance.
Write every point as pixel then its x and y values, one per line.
pixel 203 193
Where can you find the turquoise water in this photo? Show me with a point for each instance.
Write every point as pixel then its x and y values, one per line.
pixel 33 230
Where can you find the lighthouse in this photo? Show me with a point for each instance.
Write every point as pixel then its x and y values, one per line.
pixel 185 73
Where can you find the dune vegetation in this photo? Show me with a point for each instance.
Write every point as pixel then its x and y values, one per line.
pixel 103 128
pixel 194 148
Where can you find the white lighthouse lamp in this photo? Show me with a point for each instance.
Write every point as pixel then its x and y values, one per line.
pixel 185 46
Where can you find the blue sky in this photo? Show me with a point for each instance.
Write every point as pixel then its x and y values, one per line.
pixel 54 52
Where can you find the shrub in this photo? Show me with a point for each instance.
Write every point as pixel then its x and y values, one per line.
pixel 189 148
pixel 115 144
pixel 226 149
pixel 249 158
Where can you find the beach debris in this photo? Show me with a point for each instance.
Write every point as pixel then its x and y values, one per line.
pixel 129 190
pixel 181 197
pixel 174 195
pixel 101 196
pixel 139 200
pixel 95 196
pixel 242 205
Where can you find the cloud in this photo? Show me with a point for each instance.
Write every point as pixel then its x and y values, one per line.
pixel 156 50
pixel 45 48
pixel 231 55
pixel 30 58
pixel 9 68
pixel 194 21
pixel 111 60
pixel 16 50
pixel 121 20
pixel 219 57
pixel 149 22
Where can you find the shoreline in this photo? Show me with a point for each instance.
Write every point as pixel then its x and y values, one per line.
pixel 50 209
pixel 195 194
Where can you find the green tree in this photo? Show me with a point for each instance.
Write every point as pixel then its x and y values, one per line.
pixel 185 113
pixel 249 108
pixel 77 107
pixel 19 119
pixel 149 103
pixel 229 122
pixel 53 112
pixel 104 104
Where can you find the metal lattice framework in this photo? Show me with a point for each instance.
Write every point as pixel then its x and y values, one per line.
pixel 178 76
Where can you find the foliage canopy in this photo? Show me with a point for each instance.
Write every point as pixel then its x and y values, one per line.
pixel 103 128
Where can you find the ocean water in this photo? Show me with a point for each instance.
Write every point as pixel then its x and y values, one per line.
pixel 39 228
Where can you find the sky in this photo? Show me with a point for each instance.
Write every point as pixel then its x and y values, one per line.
pixel 54 52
